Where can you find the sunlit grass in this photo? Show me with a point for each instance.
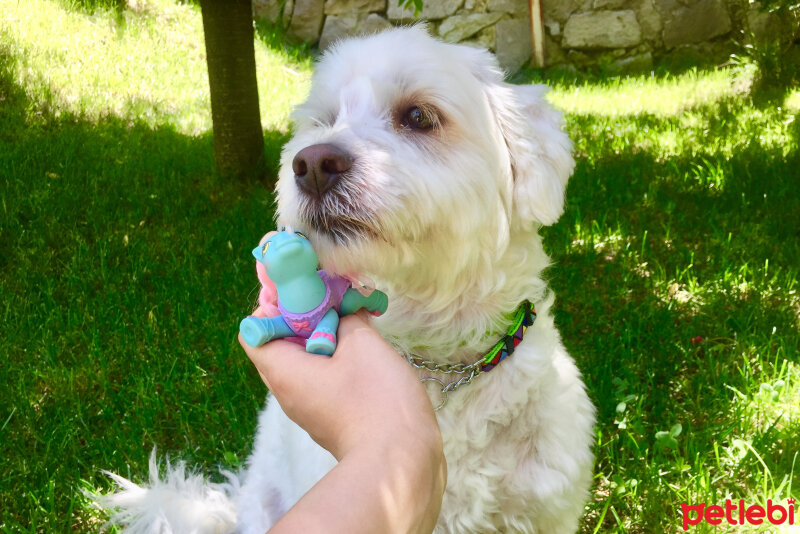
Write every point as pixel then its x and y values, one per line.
pixel 671 124
pixel 668 96
pixel 146 64
pixel 792 102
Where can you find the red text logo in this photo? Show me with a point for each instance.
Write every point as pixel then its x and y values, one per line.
pixel 738 513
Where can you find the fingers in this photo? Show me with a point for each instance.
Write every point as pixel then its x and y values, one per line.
pixel 350 323
pixel 288 370
pixel 357 337
pixel 285 367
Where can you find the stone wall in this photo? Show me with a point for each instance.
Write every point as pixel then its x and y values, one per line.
pixel 621 34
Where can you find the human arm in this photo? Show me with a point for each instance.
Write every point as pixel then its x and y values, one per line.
pixel 367 407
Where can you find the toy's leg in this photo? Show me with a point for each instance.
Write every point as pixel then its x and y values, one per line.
pixel 258 330
pixel 323 338
pixel 353 301
pixel 377 302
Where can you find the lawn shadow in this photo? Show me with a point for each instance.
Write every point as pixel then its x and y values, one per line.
pixel 276 38
pixel 124 263
pixel 637 215
pixel 93 7
pixel 90 7
pixel 569 76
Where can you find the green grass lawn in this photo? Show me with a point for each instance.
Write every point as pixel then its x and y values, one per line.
pixel 125 268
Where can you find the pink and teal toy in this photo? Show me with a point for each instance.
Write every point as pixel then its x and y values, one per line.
pixel 310 302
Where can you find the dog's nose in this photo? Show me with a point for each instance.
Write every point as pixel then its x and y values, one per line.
pixel 318 167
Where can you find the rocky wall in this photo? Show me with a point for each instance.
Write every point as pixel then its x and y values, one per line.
pixel 624 35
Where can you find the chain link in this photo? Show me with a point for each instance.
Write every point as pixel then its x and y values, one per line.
pixel 449 368
pixel 470 371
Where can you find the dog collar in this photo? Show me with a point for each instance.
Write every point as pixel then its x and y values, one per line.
pixel 523 318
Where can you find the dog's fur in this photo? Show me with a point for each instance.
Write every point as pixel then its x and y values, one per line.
pixel 446 223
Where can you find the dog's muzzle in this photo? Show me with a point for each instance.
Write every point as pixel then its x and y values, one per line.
pixel 337 212
pixel 317 168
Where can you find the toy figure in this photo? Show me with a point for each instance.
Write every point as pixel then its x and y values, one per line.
pixel 310 301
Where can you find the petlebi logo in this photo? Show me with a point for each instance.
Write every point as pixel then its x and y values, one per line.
pixel 738 513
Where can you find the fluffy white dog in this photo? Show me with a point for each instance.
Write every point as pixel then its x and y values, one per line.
pixel 414 165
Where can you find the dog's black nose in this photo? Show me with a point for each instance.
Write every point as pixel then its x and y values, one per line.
pixel 318 167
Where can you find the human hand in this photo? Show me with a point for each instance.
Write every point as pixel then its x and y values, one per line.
pixel 365 392
pixel 367 407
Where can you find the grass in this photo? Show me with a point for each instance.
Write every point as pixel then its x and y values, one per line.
pixel 677 279
pixel 123 270
pixel 145 64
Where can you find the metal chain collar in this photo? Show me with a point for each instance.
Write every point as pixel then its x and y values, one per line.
pixel 524 317
pixel 470 371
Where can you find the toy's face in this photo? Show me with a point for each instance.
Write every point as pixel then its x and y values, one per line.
pixel 285 255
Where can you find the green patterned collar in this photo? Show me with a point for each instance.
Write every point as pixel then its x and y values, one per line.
pixel 523 318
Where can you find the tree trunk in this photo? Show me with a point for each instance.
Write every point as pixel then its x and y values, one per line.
pixel 230 53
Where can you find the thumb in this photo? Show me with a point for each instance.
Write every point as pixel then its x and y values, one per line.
pixel 285 367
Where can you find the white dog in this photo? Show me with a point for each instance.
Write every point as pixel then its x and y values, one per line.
pixel 413 164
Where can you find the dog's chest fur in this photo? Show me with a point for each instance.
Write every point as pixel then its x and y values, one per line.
pixel 510 441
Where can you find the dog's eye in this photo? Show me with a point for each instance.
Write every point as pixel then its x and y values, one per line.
pixel 417 119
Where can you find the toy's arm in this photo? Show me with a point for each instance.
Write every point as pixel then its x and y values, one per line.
pixel 352 301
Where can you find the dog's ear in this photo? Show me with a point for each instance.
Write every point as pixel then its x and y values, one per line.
pixel 540 152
